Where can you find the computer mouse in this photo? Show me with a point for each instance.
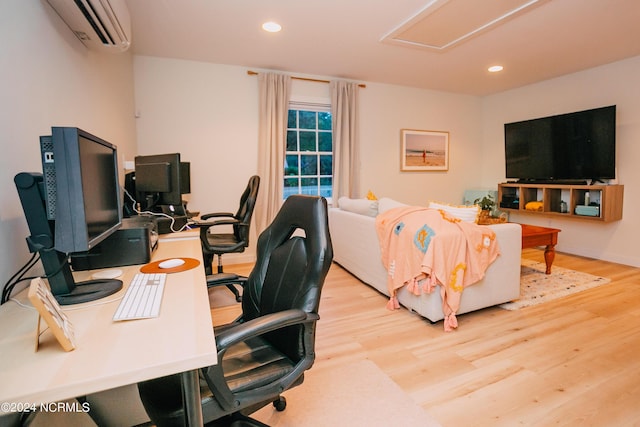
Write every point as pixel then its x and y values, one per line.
pixel 171 263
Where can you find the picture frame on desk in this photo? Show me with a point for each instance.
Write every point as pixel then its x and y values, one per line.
pixel 49 310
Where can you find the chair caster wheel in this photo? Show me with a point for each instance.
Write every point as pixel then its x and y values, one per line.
pixel 280 404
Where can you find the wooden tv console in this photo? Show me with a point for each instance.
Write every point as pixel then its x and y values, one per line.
pixel 590 202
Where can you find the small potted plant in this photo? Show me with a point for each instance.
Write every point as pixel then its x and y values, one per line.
pixel 487 205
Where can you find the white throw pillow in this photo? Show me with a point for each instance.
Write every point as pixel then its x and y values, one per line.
pixel 359 206
pixel 463 213
pixel 385 203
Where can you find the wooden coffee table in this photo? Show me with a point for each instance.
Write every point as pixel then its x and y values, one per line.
pixel 533 235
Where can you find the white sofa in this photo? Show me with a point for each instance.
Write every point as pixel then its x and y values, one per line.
pixel 356 248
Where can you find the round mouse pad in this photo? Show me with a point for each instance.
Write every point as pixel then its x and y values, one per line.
pixel 154 267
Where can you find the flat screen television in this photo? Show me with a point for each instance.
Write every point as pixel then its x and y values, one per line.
pixel 573 148
pixel 71 207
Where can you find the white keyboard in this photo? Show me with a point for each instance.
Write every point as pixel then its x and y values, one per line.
pixel 142 298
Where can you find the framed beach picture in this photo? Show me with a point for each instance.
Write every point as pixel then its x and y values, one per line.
pixel 424 150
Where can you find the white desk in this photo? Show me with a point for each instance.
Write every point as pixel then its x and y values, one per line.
pixel 111 354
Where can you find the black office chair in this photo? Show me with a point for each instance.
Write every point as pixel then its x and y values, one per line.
pixel 229 242
pixel 266 350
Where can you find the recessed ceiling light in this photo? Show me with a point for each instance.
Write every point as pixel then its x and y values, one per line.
pixel 272 27
pixel 495 68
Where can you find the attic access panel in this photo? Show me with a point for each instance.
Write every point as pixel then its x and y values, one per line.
pixel 442 24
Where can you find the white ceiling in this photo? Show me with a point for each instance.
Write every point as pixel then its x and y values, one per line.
pixel 344 38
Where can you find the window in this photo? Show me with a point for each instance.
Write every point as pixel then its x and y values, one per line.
pixel 308 164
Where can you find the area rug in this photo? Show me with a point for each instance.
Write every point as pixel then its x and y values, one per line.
pixel 357 394
pixel 536 287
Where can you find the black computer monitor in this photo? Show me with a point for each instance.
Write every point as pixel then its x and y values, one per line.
pixel 87 189
pixel 161 180
pixel 71 207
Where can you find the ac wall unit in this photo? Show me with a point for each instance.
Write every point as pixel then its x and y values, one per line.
pixel 100 24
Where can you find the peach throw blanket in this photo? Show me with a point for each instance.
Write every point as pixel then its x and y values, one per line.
pixel 420 243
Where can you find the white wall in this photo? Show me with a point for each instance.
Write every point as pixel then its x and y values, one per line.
pixel 617 83
pixel 206 112
pixel 48 78
pixel 385 110
pixel 209 113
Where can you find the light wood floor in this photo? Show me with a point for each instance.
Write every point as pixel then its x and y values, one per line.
pixel 573 361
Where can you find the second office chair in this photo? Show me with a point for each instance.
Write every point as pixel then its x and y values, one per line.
pixel 235 240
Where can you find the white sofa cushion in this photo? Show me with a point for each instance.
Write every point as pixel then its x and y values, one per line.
pixel 463 213
pixel 385 203
pixel 360 206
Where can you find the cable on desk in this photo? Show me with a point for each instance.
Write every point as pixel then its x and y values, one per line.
pixel 18 277
pixel 134 203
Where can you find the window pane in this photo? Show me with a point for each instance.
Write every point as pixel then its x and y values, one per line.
pixel 307 120
pixel 307 141
pixel 291 164
pixel 308 164
pixel 324 121
pixel 290 187
pixel 324 141
pixel 292 140
pixel 309 186
pixel 326 165
pixel 291 120
pixel 291 182
pixel 325 187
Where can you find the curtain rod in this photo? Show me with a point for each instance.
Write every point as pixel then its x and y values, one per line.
pixel 255 73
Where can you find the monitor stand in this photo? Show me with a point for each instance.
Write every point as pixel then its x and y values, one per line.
pixel 31 190
pixel 90 290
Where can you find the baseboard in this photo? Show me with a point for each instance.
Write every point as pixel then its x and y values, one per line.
pixel 591 253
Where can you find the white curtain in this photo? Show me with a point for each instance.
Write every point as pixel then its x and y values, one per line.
pixel 274 92
pixel 346 150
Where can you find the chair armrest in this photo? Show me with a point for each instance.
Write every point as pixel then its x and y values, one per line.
pixel 216 222
pixel 208 224
pixel 216 215
pixel 259 326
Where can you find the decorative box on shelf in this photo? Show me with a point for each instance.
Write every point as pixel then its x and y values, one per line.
pixel 588 210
